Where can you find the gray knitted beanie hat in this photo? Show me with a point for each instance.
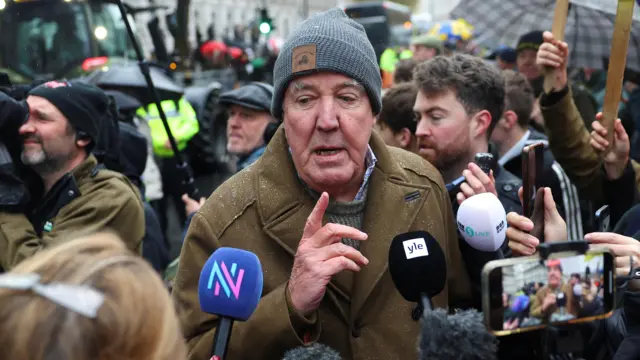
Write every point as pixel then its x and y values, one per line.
pixel 327 42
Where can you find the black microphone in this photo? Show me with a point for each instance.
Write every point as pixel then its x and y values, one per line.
pixel 418 268
pixel 313 352
pixel 461 336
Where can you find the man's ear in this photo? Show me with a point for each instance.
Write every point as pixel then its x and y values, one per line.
pixel 82 139
pixel 480 123
pixel 404 136
pixel 509 119
pixel 83 143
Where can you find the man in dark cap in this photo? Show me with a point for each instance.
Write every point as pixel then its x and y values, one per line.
pixel 249 128
pixel 426 47
pixel 526 51
pixel 320 208
pixel 76 195
pixel 249 116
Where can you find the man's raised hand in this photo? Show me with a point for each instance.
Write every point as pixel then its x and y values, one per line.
pixel 320 255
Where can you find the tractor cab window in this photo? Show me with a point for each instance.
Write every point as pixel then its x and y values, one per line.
pixel 110 31
pixel 48 36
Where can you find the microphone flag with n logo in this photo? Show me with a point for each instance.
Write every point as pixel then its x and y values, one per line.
pixel 230 283
pixel 224 278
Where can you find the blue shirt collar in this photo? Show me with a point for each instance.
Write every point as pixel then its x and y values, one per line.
pixel 251 158
pixel 370 161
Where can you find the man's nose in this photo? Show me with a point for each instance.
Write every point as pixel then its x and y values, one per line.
pixel 234 121
pixel 328 116
pixel 26 128
pixel 423 129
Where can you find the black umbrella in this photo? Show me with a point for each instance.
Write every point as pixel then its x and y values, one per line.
pixel 150 85
pixel 125 102
pixel 130 80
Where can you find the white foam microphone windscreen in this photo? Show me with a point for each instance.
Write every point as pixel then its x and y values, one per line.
pixel 482 221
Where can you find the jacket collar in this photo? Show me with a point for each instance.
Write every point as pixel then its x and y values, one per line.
pixel 283 208
pixel 62 193
pixel 250 158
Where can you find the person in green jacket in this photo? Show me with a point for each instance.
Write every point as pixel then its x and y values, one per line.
pixel 391 56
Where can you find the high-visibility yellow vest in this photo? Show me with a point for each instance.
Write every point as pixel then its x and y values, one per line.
pixel 182 122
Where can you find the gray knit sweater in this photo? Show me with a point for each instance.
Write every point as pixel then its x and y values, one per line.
pixel 346 213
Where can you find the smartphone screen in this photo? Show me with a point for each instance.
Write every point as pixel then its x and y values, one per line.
pixel 532 166
pixel 526 294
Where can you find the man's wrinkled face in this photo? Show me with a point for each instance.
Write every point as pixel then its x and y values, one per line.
pixel 328 121
pixel 554 277
pixel 245 129
pixel 526 62
pixel 48 138
pixel 443 129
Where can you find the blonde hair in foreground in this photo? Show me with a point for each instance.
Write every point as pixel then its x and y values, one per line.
pixel 136 322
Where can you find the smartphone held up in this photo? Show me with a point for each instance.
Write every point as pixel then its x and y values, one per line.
pixel 528 293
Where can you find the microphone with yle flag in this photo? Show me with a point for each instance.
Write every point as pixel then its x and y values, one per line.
pixel 230 287
pixel 418 268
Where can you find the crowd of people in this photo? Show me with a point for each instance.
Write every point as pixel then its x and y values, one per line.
pixel 329 169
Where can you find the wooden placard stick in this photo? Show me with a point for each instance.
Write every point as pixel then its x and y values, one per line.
pixel 558 28
pixel 617 64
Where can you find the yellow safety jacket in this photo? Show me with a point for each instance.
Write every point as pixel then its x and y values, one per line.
pixel 182 122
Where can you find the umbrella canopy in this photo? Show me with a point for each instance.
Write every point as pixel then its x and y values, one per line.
pixel 211 49
pixel 130 80
pixel 589 30
pixel 452 30
pixel 125 102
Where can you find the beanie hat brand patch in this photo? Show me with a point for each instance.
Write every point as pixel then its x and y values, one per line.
pixel 304 58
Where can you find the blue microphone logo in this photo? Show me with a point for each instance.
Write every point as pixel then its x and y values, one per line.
pixel 230 283
pixel 224 278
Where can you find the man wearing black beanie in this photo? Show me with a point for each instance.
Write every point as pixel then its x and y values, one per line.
pixel 76 194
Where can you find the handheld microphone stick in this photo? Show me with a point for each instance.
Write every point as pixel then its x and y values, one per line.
pixel 230 287
pixel 418 268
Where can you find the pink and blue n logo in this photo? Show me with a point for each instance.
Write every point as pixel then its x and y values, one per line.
pixel 224 278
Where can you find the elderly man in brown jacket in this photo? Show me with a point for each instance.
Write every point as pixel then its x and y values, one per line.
pixel 322 283
pixel 78 196
pixel 545 302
